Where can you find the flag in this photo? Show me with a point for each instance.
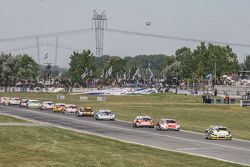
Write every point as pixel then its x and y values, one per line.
pixel 151 73
pixel 102 75
pixel 45 57
pixel 209 77
pixel 90 73
pixel 83 76
pixel 110 71
pixel 124 75
pixel 137 73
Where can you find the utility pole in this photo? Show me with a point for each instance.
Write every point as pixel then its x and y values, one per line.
pixel 100 22
pixel 38 49
pixel 56 51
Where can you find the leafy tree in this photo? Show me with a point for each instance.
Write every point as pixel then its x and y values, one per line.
pixel 246 63
pixel 118 66
pixel 27 67
pixel 78 64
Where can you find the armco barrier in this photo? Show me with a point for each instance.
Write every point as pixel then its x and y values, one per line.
pixel 245 103
pixel 84 98
pixel 100 98
pixel 60 97
pixel 221 101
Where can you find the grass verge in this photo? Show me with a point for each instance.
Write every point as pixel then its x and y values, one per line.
pixel 48 146
pixel 6 119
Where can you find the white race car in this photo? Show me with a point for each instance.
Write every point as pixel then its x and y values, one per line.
pixel 69 108
pixel 14 101
pixel 4 100
pixel 167 124
pixel 47 105
pixel 218 132
pixel 104 115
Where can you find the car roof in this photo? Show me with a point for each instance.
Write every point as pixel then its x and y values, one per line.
pixel 104 111
pixel 47 102
pixel 60 104
pixel 70 105
pixel 33 100
pixel 15 98
pixel 167 119
pixel 141 117
pixel 216 126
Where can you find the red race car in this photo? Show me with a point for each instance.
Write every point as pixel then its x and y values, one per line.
pixel 168 124
pixel 143 121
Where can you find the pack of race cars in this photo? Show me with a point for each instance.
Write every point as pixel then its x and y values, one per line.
pixel 212 133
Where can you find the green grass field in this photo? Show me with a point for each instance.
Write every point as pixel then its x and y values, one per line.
pixel 187 110
pixel 5 119
pixel 48 146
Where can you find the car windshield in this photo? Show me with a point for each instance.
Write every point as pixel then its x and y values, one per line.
pixel 170 121
pixel 107 113
pixel 88 110
pixel 34 101
pixel 72 107
pixel 222 129
pixel 146 119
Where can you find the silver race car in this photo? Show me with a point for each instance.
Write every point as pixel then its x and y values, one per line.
pixel 104 115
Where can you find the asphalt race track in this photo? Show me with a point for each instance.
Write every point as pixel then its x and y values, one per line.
pixel 237 151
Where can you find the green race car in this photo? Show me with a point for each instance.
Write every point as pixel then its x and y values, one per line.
pixel 33 104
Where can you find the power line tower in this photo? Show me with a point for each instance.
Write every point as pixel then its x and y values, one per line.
pixel 100 22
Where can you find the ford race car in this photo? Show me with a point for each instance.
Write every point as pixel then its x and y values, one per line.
pixel 69 108
pixel 87 111
pixel 14 101
pixel 104 115
pixel 33 104
pixel 4 100
pixel 58 107
pixel 167 124
pixel 143 121
pixel 23 102
pixel 47 105
pixel 218 132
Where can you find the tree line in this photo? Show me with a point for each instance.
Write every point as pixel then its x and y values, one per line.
pixel 204 60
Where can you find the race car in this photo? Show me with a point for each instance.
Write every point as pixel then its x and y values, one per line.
pixel 104 115
pixel 23 102
pixel 167 124
pixel 58 107
pixel 4 100
pixel 33 104
pixel 87 111
pixel 47 105
pixel 143 121
pixel 69 108
pixel 14 101
pixel 218 132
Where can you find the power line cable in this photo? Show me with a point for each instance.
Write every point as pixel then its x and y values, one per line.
pixel 21 49
pixel 176 38
pixel 46 35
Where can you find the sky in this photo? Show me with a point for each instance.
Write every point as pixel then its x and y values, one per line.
pixel 213 20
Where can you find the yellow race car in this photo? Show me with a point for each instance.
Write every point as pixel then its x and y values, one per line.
pixel 58 107
pixel 87 111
